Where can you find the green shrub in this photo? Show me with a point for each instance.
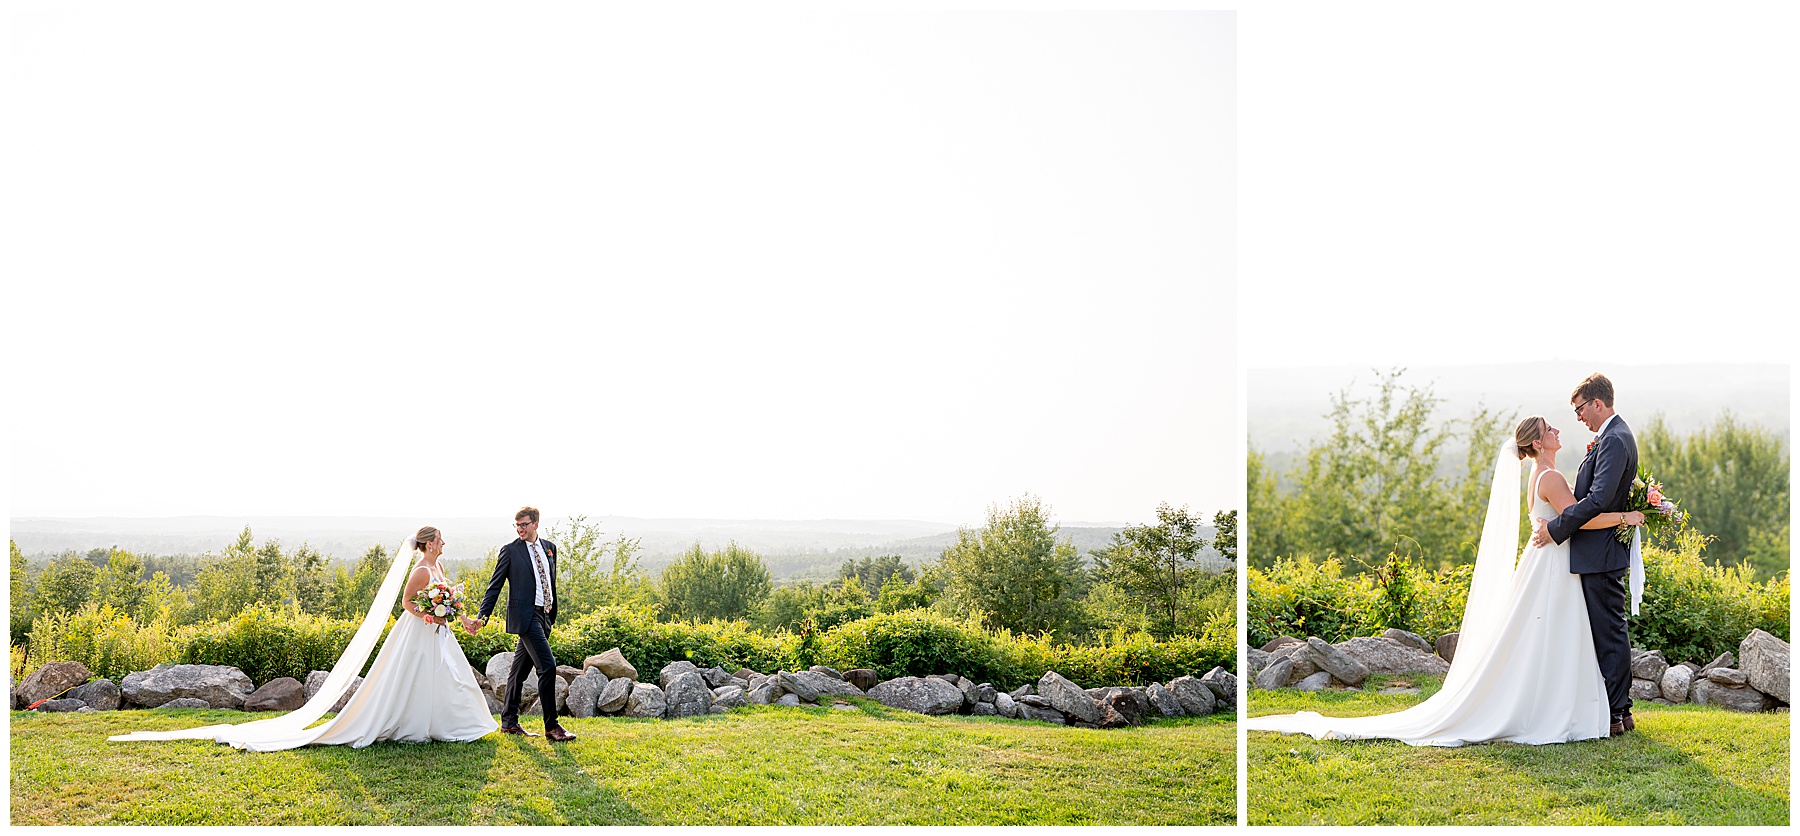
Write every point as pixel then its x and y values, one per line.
pixel 1299 597
pixel 267 645
pixel 916 643
pixel 649 644
pixel 106 640
pixel 488 642
pixel 1139 659
pixel 1692 610
pixel 923 642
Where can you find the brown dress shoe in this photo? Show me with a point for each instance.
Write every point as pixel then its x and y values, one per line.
pixel 1629 723
pixel 1617 728
pixel 517 730
pixel 558 735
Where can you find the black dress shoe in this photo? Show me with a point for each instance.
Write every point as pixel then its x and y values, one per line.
pixel 558 735
pixel 517 730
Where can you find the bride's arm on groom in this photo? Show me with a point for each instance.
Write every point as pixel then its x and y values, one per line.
pixel 1573 514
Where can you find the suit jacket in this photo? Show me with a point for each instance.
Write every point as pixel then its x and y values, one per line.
pixel 1602 485
pixel 514 569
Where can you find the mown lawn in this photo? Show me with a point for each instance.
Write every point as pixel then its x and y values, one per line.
pixel 1682 765
pixel 761 765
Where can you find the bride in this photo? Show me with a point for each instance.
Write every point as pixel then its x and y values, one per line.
pixel 419 689
pixel 1524 670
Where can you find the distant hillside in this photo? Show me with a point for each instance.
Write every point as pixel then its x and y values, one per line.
pixel 793 549
pixel 345 538
pixel 819 566
pixel 1286 407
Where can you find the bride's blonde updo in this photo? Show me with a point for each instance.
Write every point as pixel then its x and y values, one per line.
pixel 1526 436
pixel 425 536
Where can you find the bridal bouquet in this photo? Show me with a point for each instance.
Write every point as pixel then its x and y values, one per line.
pixel 1647 496
pixel 441 600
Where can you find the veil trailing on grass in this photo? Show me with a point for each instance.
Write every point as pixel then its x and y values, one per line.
pixel 336 683
pixel 1524 668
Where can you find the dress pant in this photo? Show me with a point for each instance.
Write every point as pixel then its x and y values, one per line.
pixel 1605 595
pixel 533 651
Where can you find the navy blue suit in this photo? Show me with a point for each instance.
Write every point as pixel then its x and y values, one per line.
pixel 1603 485
pixel 515 570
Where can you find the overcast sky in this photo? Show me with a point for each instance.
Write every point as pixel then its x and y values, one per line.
pixel 1446 184
pixel 360 259
pixel 441 261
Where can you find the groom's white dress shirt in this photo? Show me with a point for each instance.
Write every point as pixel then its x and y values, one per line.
pixel 1604 424
pixel 540 568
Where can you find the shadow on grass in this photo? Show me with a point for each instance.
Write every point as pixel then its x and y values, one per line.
pixel 1683 765
pixel 760 765
pixel 1636 778
pixel 573 796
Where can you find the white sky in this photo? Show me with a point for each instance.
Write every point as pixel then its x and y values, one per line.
pixel 1613 181
pixel 368 259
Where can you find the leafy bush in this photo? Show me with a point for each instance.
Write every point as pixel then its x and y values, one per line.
pixel 650 644
pixel 1692 610
pixel 266 644
pixel 106 640
pixel 916 643
pixel 1299 597
pixel 922 642
pixel 1134 659
pixel 488 642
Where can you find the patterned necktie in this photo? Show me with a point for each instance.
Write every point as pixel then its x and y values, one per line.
pixel 543 579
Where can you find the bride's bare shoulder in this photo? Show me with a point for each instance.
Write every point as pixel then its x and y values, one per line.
pixel 1552 480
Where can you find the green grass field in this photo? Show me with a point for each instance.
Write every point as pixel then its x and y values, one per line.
pixel 761 765
pixel 1683 765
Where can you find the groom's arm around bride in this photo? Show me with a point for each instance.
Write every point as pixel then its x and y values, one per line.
pixel 1609 474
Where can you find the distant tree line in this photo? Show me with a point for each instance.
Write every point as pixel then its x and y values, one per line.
pixel 1378 484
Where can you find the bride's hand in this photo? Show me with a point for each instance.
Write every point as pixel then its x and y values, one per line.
pixel 1633 517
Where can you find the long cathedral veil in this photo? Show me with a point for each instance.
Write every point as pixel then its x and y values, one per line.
pixel 1495 560
pixel 1483 617
pixel 349 664
pixel 1521 629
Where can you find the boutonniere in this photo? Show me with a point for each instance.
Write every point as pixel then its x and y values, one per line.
pixel 1593 444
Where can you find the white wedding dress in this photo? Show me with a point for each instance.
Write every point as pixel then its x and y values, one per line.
pixel 1524 670
pixel 420 688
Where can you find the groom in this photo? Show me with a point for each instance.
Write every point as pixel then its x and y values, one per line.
pixel 1603 484
pixel 528 564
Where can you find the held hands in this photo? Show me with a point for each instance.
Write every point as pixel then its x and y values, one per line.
pixel 1540 532
pixel 470 625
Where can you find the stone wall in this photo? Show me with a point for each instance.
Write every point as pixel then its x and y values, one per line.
pixel 607 684
pixel 1756 679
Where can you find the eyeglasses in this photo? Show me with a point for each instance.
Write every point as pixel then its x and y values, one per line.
pixel 522 524
pixel 1583 405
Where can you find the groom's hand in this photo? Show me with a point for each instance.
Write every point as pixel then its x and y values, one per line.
pixel 1540 532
